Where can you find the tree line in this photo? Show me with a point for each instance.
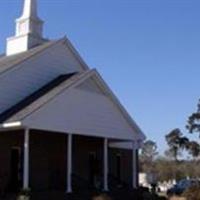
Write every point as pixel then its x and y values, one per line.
pixel 173 164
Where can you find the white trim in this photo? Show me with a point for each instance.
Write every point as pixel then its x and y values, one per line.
pixel 72 84
pixel 105 171
pixel 88 74
pixel 129 119
pixel 121 145
pixel 75 53
pixel 35 106
pixel 126 144
pixel 12 124
pixel 26 160
pixel 134 165
pixel 69 164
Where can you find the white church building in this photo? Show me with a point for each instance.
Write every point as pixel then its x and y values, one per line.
pixel 59 120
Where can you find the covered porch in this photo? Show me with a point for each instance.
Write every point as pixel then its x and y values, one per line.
pixel 44 160
pixel 75 131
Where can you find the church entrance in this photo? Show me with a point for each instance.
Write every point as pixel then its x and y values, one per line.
pixel 15 169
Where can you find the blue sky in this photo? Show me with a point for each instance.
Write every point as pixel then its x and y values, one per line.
pixel 147 50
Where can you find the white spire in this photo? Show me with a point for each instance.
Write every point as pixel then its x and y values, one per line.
pixel 30 9
pixel 29 28
pixel 29 22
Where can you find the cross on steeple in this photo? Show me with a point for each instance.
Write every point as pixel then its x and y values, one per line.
pixel 29 30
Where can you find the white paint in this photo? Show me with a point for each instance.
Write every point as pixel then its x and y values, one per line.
pixel 21 43
pixel 30 9
pixel 32 74
pixel 134 165
pixel 69 164
pixel 121 145
pixel 105 172
pixel 11 125
pixel 26 160
pixel 78 111
pixel 125 145
pixel 29 28
pixel 82 112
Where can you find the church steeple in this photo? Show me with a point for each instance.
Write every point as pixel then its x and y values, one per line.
pixel 29 22
pixel 29 30
pixel 30 9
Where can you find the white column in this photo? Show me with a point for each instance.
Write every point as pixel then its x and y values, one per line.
pixel 105 172
pixel 26 159
pixel 69 164
pixel 134 165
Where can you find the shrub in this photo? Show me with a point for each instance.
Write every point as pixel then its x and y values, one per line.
pixel 102 197
pixel 25 192
pixel 192 193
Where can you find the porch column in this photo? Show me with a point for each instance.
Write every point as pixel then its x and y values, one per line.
pixel 134 165
pixel 69 164
pixel 26 160
pixel 105 172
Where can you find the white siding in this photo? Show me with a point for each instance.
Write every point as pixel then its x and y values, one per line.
pixel 32 74
pixel 81 112
pixel 90 86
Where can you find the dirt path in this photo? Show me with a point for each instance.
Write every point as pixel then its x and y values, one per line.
pixel 177 198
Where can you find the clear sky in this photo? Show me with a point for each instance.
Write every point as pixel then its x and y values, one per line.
pixel 147 50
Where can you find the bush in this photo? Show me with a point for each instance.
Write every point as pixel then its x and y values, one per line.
pixel 102 197
pixel 192 193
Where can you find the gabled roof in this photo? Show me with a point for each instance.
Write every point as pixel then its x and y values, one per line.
pixel 46 97
pixel 34 96
pixel 9 62
pixel 34 104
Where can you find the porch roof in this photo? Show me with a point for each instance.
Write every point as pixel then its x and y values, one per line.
pixel 30 112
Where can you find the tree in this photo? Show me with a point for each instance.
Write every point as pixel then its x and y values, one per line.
pixel 193 124
pixel 147 156
pixel 183 143
pixel 194 149
pixel 176 143
pixel 149 151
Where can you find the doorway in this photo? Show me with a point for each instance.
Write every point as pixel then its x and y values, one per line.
pixel 16 169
